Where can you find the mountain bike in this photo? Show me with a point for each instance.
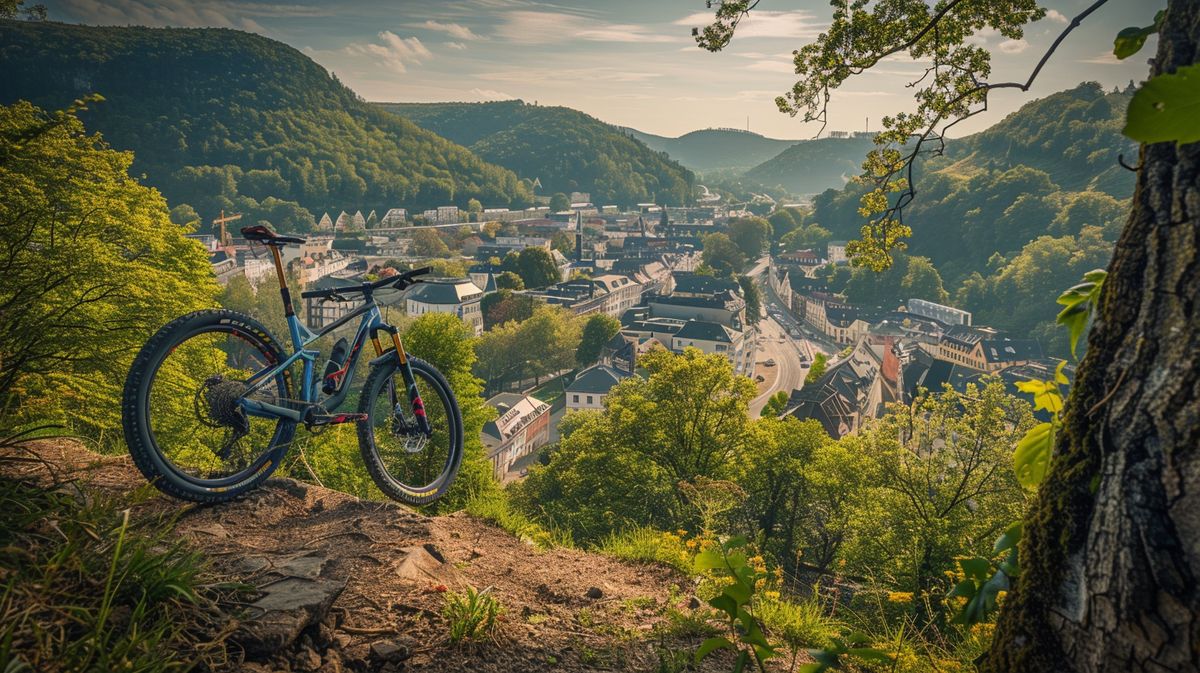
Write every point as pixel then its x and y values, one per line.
pixel 208 408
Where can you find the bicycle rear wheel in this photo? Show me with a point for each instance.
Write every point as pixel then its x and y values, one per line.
pixel 407 464
pixel 181 410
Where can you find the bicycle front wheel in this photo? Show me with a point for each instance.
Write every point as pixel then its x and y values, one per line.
pixel 182 413
pixel 406 463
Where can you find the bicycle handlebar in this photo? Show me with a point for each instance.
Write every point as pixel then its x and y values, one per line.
pixel 400 282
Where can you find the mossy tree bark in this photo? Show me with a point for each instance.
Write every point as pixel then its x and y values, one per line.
pixel 1111 555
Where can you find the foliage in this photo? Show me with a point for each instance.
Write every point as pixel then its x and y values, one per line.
pixel 598 330
pixel 776 404
pixel 1166 108
pixel 812 166
pixel 507 280
pixel 805 237
pixel 472 614
pixel 559 202
pixel 753 297
pixel 86 587
pixel 751 235
pixel 504 306
pixel 817 370
pixel 565 149
pixel 427 243
pixel 536 268
pixel 448 344
pixel 648 545
pixel 729 561
pixel 1079 304
pixel 261 129
pixel 495 508
pixel 783 221
pixel 722 255
pixel 92 266
pixel 504 351
pixel 941 490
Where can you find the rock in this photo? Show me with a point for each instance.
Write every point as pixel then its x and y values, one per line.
pixel 307 660
pixel 292 487
pixel 342 640
pixel 693 603
pixel 391 651
pixel 421 566
pixel 594 593
pixel 289 606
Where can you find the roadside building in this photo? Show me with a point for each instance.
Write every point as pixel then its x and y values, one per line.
pixel 457 296
pixel 522 426
pixel 592 386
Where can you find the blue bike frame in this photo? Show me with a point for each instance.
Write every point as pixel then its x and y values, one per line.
pixel 302 337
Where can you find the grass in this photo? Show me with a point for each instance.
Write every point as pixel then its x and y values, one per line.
pixel 649 546
pixel 799 624
pixel 83 586
pixel 471 614
pixel 551 391
pixel 496 509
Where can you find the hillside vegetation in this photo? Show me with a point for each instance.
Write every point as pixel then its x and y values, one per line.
pixel 1016 212
pixel 715 149
pixel 812 166
pixel 226 119
pixel 564 149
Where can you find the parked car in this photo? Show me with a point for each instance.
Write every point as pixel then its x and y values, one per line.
pixel 770 362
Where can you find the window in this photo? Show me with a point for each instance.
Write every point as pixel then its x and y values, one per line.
pixel 576 399
pixel 589 399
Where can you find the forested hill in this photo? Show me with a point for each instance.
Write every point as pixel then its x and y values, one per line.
pixel 812 166
pixel 566 150
pixel 1017 213
pixel 226 119
pixel 716 149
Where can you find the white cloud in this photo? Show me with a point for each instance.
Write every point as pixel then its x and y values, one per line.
pixel 456 45
pixel 1055 16
pixel 567 75
pixel 1105 58
pixel 764 23
pixel 1014 46
pixel 454 30
pixel 181 13
pixel 491 94
pixel 530 27
pixel 392 51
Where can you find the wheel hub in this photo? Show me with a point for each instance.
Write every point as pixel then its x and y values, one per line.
pixel 222 406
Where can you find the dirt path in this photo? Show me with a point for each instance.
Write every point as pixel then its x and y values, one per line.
pixel 352 585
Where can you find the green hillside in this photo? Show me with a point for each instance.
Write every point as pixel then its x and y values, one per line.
pixel 1014 214
pixel 226 119
pixel 564 149
pixel 716 149
pixel 812 166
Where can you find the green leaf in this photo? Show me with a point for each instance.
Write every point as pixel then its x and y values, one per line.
pixel 739 592
pixel 1074 318
pixel 711 645
pixel 725 604
pixel 1130 40
pixel 964 589
pixel 708 560
pixel 742 660
pixel 1032 456
pixel 812 668
pixel 1166 108
pixel 1059 376
pixel 1010 538
pixel 870 654
pixel 735 542
pixel 1050 400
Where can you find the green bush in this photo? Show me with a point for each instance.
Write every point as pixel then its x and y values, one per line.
pixel 649 545
pixel 471 614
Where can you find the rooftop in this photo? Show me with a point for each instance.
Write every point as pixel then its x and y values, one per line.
pixel 597 379
pixel 445 291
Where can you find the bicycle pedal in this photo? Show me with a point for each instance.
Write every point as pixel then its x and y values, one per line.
pixel 317 420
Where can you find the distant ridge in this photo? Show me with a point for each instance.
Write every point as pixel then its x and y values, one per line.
pixel 565 149
pixel 715 149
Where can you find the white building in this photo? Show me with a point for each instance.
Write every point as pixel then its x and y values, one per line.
pixel 836 252
pixel 396 217
pixel 521 427
pixel 591 387
pixel 940 312
pixel 458 296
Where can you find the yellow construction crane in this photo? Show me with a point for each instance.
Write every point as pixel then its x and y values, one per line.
pixel 219 223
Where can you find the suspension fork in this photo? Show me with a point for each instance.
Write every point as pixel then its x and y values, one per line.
pixel 410 381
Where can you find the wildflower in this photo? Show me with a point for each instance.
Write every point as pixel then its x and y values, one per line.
pixel 691 544
pixel 900 597
pixel 440 588
pixel 773 595
pixel 681 532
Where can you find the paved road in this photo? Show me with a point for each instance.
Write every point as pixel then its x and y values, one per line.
pixel 774 344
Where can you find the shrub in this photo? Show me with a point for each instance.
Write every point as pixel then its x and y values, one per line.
pixel 652 546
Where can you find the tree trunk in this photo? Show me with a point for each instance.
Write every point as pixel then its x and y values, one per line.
pixel 1111 554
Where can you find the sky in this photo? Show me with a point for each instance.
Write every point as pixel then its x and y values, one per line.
pixel 628 62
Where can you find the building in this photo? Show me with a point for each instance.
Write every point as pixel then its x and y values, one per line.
pixel 394 218
pixel 607 293
pixel 591 387
pixel 725 308
pixel 458 296
pixel 319 313
pixel 522 426
pixel 836 252
pixel 847 395
pixel 718 339
pixel 940 312
pixel 688 284
pixel 984 350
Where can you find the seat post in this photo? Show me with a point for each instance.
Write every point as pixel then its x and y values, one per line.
pixel 288 311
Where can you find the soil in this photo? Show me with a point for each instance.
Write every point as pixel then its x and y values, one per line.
pixel 351 585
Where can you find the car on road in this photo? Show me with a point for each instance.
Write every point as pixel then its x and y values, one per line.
pixel 770 362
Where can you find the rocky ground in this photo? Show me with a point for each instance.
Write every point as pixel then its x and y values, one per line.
pixel 348 585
